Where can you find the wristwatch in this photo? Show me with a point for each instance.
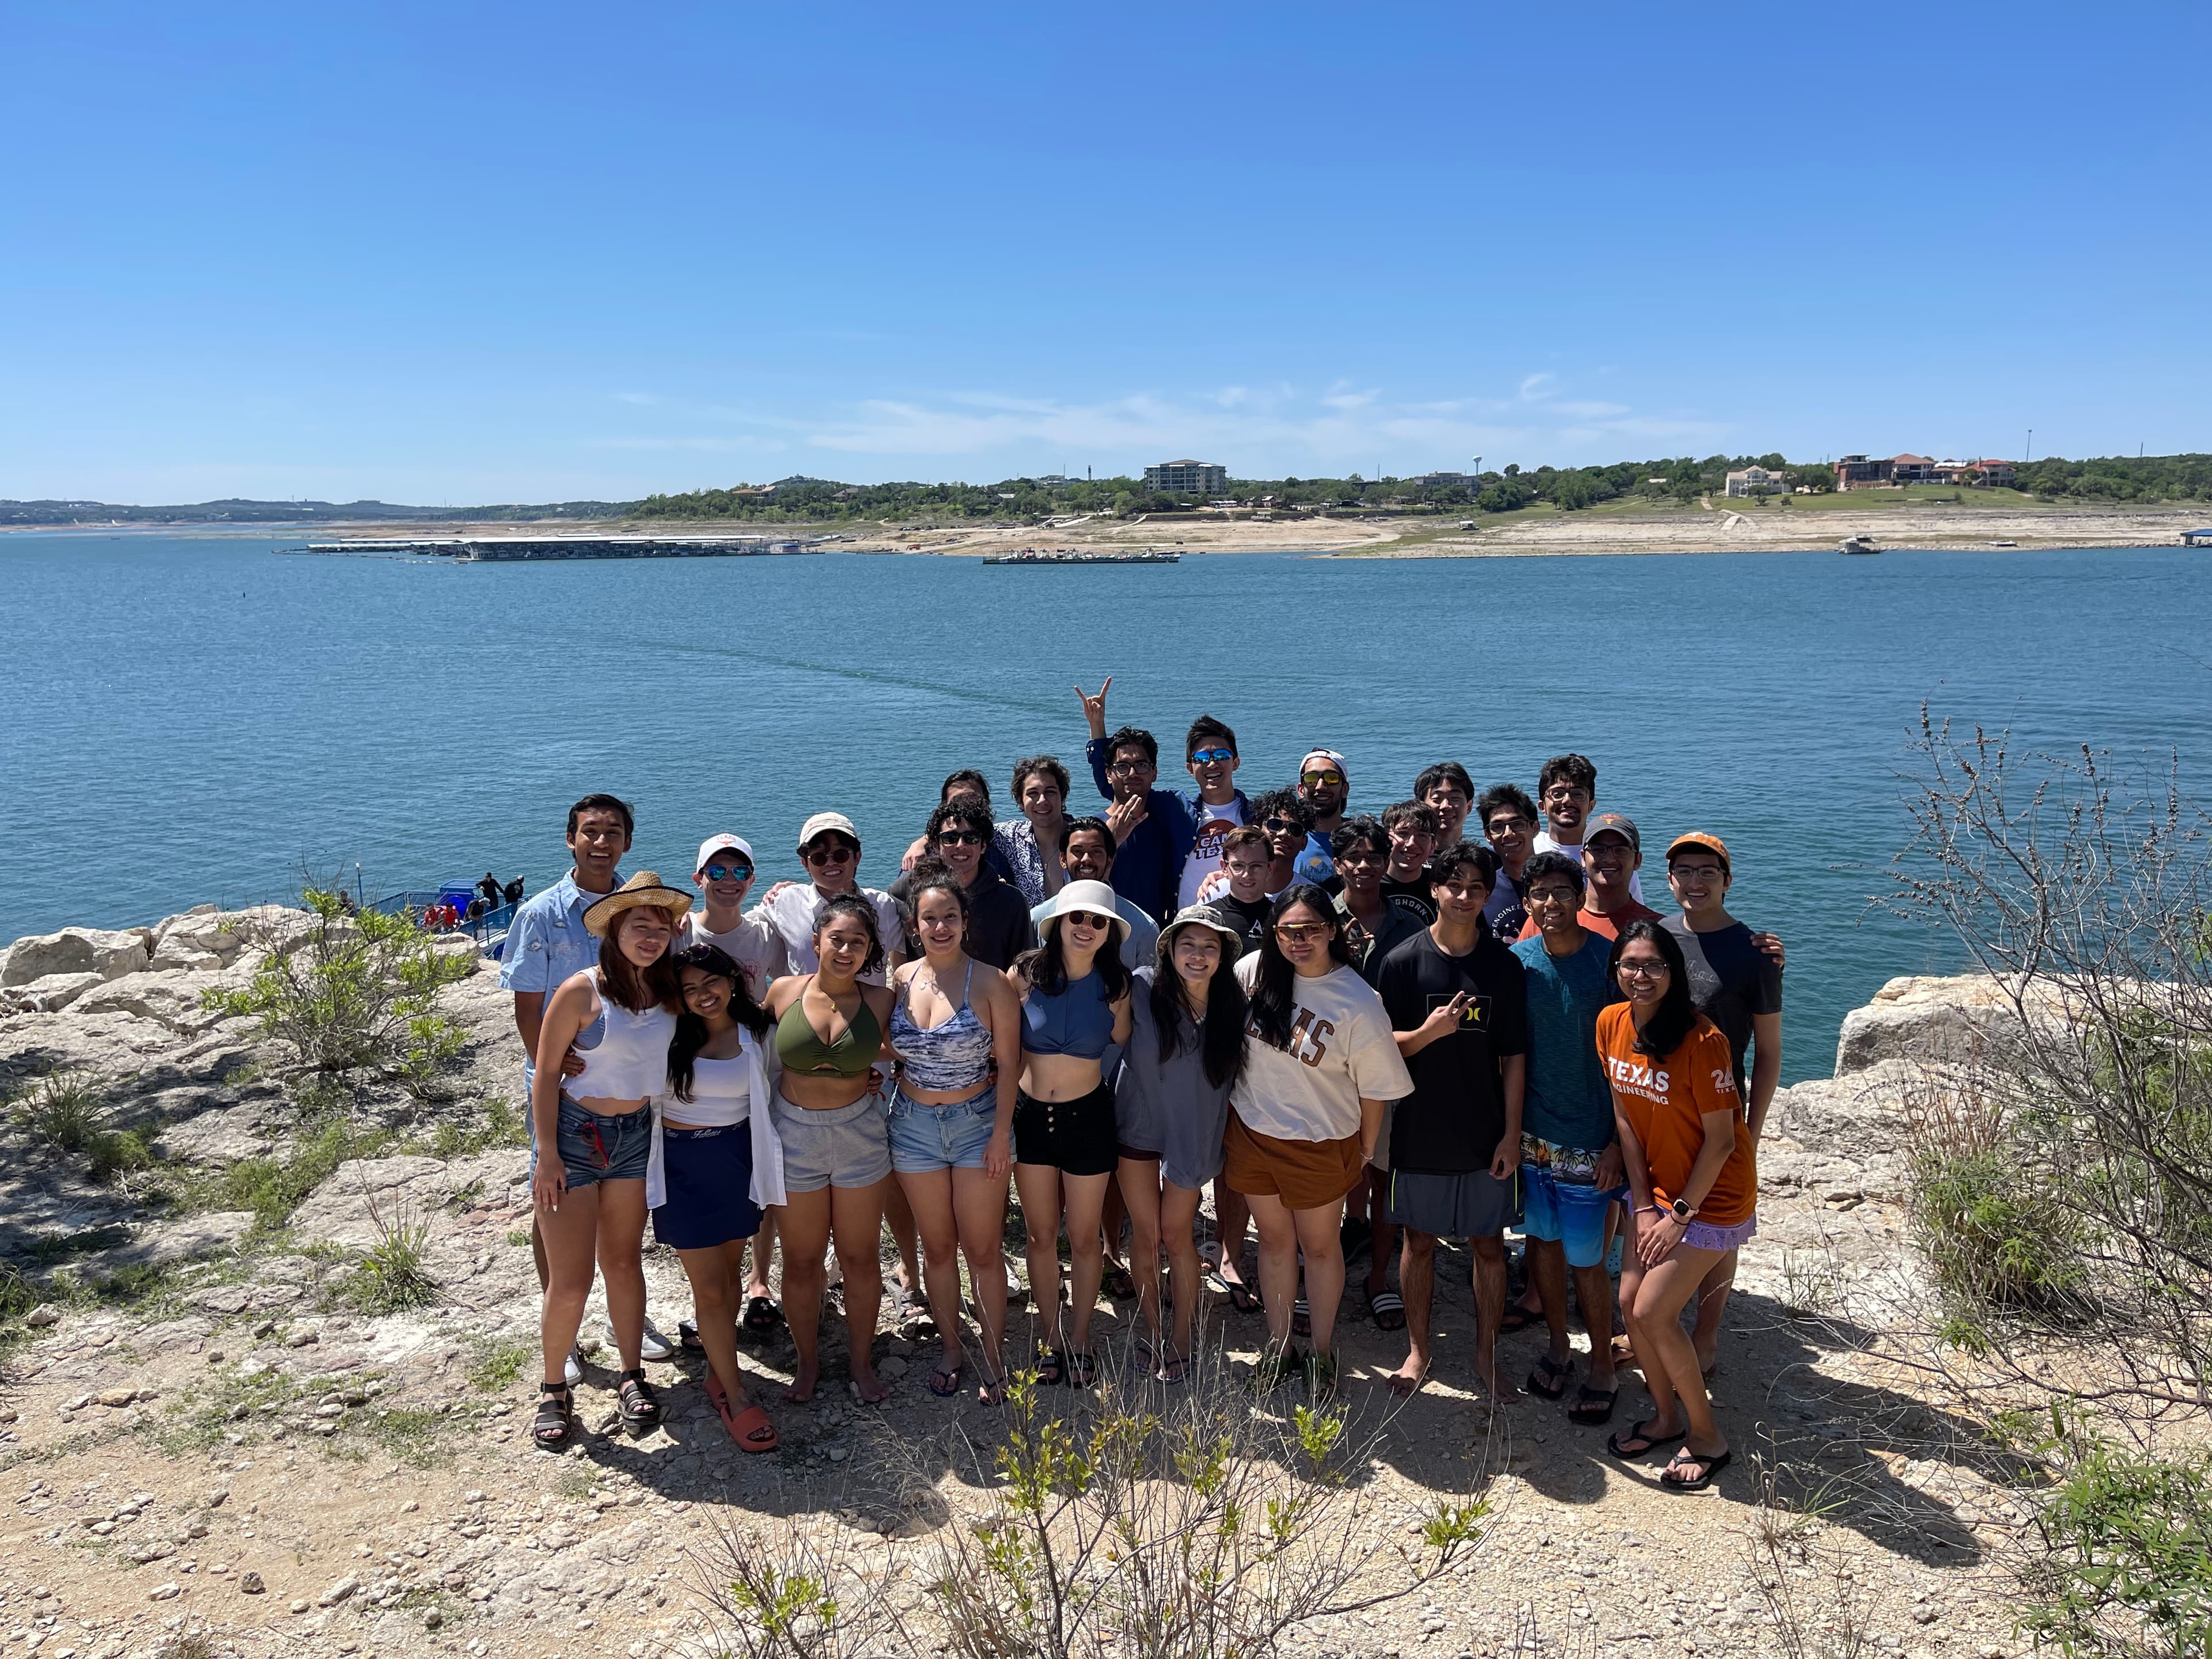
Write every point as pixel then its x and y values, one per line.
pixel 1681 1211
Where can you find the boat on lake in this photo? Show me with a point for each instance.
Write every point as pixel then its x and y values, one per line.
pixel 1855 545
pixel 1076 555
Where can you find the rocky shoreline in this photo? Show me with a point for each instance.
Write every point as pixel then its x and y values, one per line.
pixel 203 1433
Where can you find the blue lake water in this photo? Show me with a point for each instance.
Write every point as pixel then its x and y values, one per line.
pixel 191 719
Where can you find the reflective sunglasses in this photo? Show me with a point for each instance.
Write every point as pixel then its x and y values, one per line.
pixel 1330 779
pixel 1297 933
pixel 728 873
pixel 1206 757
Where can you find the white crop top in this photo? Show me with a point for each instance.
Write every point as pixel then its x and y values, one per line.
pixel 630 1061
pixel 720 1095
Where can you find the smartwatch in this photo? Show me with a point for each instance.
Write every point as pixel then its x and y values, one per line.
pixel 1681 1211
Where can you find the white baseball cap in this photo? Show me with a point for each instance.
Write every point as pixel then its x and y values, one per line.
pixel 1328 754
pixel 822 823
pixel 714 844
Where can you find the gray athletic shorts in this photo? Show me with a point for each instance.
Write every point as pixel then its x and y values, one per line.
pixel 1472 1206
pixel 847 1146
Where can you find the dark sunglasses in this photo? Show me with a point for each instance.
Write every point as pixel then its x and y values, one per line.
pixel 960 838
pixel 728 873
pixel 834 854
pixel 1088 919
pixel 1281 826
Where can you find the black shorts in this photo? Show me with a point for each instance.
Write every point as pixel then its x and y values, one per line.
pixel 1075 1136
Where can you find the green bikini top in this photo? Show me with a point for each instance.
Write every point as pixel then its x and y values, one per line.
pixel 849 1054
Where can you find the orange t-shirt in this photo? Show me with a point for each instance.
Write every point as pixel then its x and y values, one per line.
pixel 1665 1102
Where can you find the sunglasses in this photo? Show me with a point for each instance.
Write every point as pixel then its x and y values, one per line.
pixel 1207 756
pixel 1297 933
pixel 1088 919
pixel 960 838
pixel 1281 826
pixel 728 873
pixel 831 855
pixel 1330 779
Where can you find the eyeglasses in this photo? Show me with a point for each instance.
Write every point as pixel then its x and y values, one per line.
pixel 728 873
pixel 1326 779
pixel 835 854
pixel 1567 791
pixel 1124 768
pixel 1506 826
pixel 1088 919
pixel 1697 872
pixel 1297 933
pixel 960 838
pixel 1207 756
pixel 1281 826
pixel 1550 896
pixel 1644 970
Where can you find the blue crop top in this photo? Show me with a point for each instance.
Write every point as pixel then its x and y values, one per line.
pixel 1080 1021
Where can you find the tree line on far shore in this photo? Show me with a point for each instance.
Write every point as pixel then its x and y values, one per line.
pixel 1683 479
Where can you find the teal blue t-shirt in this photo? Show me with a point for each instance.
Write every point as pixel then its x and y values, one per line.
pixel 1567 1101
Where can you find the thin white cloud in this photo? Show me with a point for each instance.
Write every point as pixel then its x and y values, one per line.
pixel 1536 386
pixel 636 397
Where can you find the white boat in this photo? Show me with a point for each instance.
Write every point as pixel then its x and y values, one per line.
pixel 1855 545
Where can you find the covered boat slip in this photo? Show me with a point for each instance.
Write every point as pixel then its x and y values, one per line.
pixel 476 550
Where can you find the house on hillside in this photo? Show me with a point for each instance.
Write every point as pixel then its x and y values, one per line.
pixel 1974 474
pixel 1755 481
pixel 1857 472
pixel 1912 469
pixel 1187 478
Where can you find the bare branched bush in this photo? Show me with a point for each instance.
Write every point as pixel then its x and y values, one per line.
pixel 1814 1603
pixel 344 989
pixel 778 1590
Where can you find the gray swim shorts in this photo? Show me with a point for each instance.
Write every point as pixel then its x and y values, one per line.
pixel 845 1146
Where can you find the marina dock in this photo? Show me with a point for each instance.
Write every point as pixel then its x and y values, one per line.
pixel 478 550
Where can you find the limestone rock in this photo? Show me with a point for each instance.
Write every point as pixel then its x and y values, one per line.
pixel 170 1000
pixel 217 1137
pixel 1922 1019
pixel 163 1242
pixel 109 953
pixel 49 994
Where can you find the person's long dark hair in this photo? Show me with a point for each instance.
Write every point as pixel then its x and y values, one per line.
pixel 1271 995
pixel 1221 1044
pixel 1046 970
pixel 633 988
pixel 691 1030
pixel 933 875
pixel 1676 1016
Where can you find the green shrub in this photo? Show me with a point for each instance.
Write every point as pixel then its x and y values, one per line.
pixel 273 1188
pixel 393 1274
pixel 1993 1240
pixel 2127 1569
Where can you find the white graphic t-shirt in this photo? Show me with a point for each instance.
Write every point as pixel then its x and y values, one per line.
pixel 1205 858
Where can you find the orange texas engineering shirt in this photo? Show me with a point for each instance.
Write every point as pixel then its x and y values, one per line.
pixel 1665 1102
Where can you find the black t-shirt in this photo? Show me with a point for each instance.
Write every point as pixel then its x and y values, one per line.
pixel 1412 897
pixel 999 928
pixel 1731 979
pixel 1452 1121
pixel 1248 916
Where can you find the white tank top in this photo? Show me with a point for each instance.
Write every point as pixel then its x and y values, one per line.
pixel 719 1095
pixel 630 1059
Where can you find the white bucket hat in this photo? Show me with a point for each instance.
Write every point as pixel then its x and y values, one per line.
pixel 1093 895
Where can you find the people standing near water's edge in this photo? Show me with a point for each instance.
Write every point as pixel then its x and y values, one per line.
pixel 1075 1004
pixel 1124 766
pixel 1610 854
pixel 1172 1106
pixel 725 873
pixel 1027 845
pixel 956 1028
pixel 489 890
pixel 1319 1065
pixel 591 1138
pixel 1735 981
pixel 1196 822
pixel 836 1150
pixel 1411 828
pixel 1447 787
pixel 959 834
pixel 1570 1162
pixel 1458 1008
pixel 1508 817
pixel 547 944
pixel 720 1168
pixel 1692 1185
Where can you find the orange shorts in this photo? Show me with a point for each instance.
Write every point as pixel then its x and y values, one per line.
pixel 1306 1175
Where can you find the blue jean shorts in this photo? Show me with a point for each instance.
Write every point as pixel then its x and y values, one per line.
pixel 1567 1213
pixel 925 1138
pixel 594 1148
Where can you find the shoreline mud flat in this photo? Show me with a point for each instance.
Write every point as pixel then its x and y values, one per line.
pixel 233 1445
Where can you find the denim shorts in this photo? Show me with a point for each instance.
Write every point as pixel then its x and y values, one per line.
pixel 846 1146
pixel 1567 1213
pixel 594 1148
pixel 925 1138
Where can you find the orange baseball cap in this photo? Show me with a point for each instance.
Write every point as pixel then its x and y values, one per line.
pixel 1704 842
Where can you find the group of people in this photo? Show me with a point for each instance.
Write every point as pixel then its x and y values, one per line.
pixel 1385 1032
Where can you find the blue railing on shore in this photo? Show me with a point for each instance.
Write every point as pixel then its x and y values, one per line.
pixel 489 930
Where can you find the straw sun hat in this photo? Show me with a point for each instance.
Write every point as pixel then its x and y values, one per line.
pixel 643 887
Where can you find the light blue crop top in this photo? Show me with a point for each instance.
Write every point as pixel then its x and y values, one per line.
pixel 1080 1021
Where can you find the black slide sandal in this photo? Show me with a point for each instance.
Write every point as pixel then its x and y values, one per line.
pixel 555 1403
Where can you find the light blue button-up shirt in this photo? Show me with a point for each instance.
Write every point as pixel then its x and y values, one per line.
pixel 547 943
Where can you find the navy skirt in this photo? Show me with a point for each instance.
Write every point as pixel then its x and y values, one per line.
pixel 710 1177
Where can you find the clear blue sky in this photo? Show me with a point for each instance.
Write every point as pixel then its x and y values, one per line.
pixel 450 253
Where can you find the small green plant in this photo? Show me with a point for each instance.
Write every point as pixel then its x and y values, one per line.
pixel 502 1126
pixel 344 990
pixel 61 1109
pixel 1991 1238
pixel 393 1274
pixel 111 1152
pixel 495 1366
pixel 273 1188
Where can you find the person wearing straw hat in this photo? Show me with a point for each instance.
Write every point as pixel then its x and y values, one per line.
pixel 1171 1108
pixel 592 1139
pixel 1075 1005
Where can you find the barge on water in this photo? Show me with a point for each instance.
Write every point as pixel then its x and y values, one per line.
pixel 485 549
pixel 1073 555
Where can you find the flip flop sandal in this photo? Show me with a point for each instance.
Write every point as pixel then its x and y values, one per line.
pixel 1650 1444
pixel 1242 1296
pixel 1301 1318
pixel 1519 1318
pixel 945 1383
pixel 637 1403
pixel 762 1315
pixel 1592 1407
pixel 1549 1378
pixel 1082 1369
pixel 687 1337
pixel 554 1405
pixel 1387 1309
pixel 991 1391
pixel 1052 1368
pixel 1174 1369
pixel 1714 1465
pixel 752 1429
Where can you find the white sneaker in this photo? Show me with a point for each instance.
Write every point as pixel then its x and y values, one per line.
pixel 655 1347
pixel 572 1368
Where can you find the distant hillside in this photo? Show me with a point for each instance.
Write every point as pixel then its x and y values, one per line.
pixel 245 512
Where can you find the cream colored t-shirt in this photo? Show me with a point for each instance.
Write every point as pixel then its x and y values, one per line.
pixel 1340 1050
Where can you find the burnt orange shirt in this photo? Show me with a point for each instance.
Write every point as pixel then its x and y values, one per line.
pixel 1665 1102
